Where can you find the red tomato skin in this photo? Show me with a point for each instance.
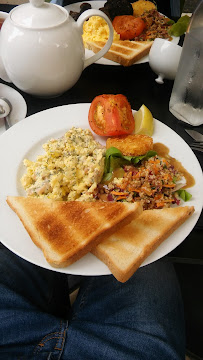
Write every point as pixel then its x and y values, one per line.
pixel 128 26
pixel 111 115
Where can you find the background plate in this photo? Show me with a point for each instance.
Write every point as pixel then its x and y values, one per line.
pixel 25 139
pixel 19 106
pixel 88 53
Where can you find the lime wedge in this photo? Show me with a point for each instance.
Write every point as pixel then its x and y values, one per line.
pixel 144 122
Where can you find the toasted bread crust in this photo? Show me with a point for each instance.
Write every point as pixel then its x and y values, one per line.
pixel 66 231
pixel 125 250
pixel 124 52
pixel 133 145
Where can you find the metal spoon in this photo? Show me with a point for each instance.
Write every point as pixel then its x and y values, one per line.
pixel 5 109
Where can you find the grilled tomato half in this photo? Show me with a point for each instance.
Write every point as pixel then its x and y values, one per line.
pixel 111 115
pixel 128 26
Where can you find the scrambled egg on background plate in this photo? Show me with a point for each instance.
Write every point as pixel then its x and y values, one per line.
pixel 70 169
pixel 96 29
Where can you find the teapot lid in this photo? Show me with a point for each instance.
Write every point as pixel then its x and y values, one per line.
pixel 38 14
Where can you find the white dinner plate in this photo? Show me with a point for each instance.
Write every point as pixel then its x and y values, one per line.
pixel 97 5
pixel 25 139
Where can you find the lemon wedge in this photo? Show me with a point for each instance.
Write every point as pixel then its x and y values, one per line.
pixel 144 122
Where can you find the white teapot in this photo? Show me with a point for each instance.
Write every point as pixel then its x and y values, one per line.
pixel 41 48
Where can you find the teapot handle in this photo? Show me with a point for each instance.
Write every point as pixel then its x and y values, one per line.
pixel 84 16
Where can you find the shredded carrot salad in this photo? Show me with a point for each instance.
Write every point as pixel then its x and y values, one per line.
pixel 152 182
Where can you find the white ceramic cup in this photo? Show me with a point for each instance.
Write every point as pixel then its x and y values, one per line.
pixel 164 57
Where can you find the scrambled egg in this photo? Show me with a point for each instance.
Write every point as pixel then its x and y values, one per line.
pixel 70 169
pixel 96 29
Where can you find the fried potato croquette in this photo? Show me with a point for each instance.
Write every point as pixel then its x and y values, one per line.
pixel 140 6
pixel 133 145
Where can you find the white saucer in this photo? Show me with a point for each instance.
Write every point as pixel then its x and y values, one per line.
pixel 19 106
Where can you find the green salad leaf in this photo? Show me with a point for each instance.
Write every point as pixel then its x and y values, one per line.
pixel 136 159
pixel 184 195
pixel 115 159
pixel 111 152
pixel 170 22
pixel 180 27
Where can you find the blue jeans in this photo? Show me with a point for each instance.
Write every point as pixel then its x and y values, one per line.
pixel 141 319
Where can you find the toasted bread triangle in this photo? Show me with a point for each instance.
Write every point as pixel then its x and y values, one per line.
pixel 66 231
pixel 127 248
pixel 124 52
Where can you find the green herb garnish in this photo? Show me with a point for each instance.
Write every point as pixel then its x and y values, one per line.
pixel 184 195
pixel 174 179
pixel 180 27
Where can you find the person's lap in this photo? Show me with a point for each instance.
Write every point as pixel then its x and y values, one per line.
pixel 140 319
